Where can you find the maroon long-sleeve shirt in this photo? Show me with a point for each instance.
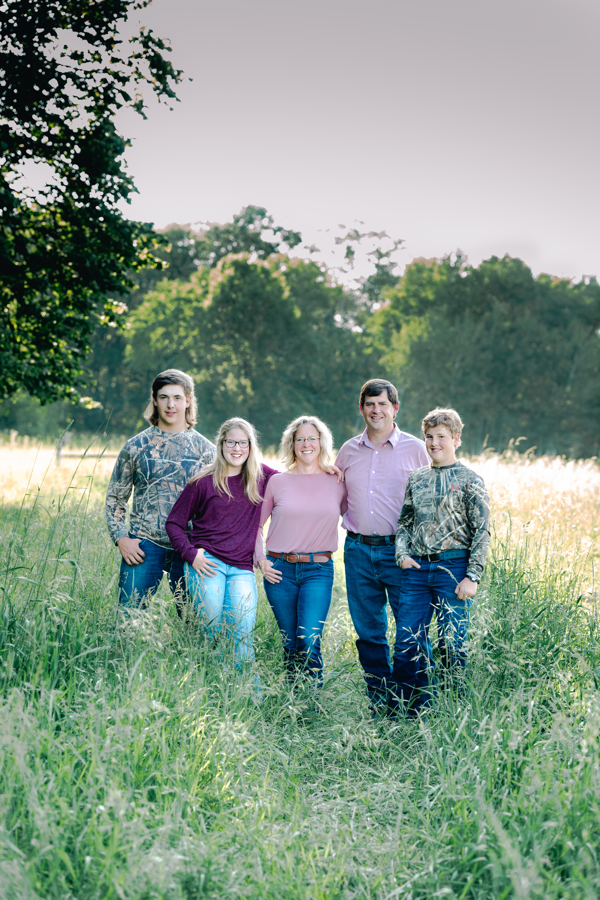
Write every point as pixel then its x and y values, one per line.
pixel 224 526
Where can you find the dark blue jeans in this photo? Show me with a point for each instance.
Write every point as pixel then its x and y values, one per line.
pixel 372 580
pixel 138 583
pixel 300 603
pixel 425 591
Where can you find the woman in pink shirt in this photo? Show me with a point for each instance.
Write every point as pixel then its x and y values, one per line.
pixel 304 504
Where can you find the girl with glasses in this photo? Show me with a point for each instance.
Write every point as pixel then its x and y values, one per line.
pixel 223 503
pixel 304 504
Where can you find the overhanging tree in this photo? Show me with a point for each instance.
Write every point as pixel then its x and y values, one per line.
pixel 66 247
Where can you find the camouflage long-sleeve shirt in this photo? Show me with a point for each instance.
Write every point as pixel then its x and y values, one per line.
pixel 156 465
pixel 445 508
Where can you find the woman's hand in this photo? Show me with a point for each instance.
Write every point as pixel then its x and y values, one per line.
pixel 204 566
pixel 466 589
pixel 269 571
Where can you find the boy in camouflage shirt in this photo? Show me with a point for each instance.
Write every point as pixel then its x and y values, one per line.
pixel 442 542
pixel 156 464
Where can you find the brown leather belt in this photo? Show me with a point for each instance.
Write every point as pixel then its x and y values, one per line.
pixel 302 557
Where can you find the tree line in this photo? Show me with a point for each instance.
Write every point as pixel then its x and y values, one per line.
pixel 269 336
pixel 93 305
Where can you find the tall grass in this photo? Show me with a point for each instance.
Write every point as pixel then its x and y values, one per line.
pixel 136 765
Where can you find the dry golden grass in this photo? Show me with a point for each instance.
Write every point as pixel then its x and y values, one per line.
pixel 553 503
pixel 29 468
pixel 548 503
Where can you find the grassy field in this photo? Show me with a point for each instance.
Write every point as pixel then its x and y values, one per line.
pixel 134 765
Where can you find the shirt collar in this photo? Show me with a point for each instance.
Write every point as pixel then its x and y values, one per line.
pixel 393 438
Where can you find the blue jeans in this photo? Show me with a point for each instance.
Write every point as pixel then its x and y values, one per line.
pixel 372 580
pixel 425 591
pixel 300 603
pixel 138 583
pixel 227 599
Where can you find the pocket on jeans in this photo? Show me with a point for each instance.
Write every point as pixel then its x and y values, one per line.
pixel 349 544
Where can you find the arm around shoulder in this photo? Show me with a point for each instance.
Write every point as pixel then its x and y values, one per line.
pixel 268 502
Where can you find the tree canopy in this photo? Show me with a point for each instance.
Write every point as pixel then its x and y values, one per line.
pixel 261 339
pixel 269 336
pixel 518 356
pixel 66 248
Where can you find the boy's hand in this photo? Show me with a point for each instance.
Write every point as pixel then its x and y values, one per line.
pixel 409 563
pixel 130 550
pixel 204 566
pixel 466 589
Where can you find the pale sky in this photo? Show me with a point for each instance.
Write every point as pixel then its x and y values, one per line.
pixel 470 124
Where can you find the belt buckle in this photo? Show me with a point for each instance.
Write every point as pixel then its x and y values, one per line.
pixel 292 557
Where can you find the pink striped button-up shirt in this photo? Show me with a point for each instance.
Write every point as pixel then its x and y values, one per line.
pixel 376 479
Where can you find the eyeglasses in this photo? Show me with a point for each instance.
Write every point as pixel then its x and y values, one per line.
pixel 311 440
pixel 243 445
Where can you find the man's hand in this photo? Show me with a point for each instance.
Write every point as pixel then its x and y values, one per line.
pixel 466 589
pixel 204 566
pixel 130 550
pixel 409 563
pixel 334 470
pixel 271 574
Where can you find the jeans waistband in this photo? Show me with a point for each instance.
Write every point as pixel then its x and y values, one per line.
pixel 445 554
pixel 373 540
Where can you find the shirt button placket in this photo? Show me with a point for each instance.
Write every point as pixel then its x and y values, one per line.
pixel 375 466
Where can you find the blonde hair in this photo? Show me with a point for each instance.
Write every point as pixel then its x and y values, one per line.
pixel 287 452
pixel 251 470
pixel 440 416
pixel 173 376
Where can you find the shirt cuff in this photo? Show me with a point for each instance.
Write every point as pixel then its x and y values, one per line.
pixel 189 554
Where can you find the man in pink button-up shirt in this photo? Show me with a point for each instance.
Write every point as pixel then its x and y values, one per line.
pixel 376 465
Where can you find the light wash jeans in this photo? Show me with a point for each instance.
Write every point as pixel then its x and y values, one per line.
pixel 227 600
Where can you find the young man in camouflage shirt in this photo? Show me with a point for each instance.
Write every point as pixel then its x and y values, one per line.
pixel 441 546
pixel 156 464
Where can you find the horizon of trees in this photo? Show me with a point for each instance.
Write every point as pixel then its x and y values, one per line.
pixel 269 336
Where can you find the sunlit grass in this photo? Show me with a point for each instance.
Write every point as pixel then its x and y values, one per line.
pixel 29 468
pixel 134 764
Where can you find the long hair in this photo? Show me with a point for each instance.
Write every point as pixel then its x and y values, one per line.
pixel 173 376
pixel 287 452
pixel 251 470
